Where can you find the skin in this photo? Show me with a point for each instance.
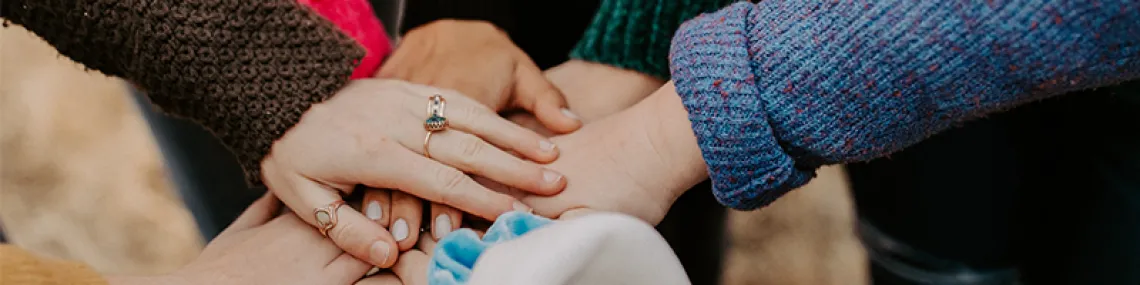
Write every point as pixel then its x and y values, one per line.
pixel 480 61
pixel 373 122
pixel 637 161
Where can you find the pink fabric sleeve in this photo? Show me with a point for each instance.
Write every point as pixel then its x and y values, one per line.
pixel 356 18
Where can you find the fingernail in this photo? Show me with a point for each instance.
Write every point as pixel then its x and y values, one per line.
pixel 379 252
pixel 373 211
pixel 551 176
pixel 519 206
pixel 546 145
pixel 442 226
pixel 567 113
pixel 400 230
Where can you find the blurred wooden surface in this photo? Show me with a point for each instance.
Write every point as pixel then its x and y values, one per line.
pixel 80 178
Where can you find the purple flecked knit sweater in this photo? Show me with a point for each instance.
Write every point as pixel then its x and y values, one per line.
pixel 776 89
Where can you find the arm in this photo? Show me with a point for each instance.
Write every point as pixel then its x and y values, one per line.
pixel 623 55
pixel 247 87
pixel 635 34
pixel 776 89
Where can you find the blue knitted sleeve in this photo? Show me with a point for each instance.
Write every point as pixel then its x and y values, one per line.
pixel 776 89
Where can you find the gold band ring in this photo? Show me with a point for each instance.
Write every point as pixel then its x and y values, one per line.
pixel 427 139
pixel 326 217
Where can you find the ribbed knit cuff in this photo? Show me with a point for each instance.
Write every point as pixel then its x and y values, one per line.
pixel 421 12
pixel 748 167
pixel 635 34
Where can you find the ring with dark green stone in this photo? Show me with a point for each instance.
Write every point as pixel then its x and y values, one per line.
pixel 435 123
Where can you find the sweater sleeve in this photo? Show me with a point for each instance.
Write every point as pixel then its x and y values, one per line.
pixel 21 267
pixel 245 70
pixel 635 34
pixel 776 89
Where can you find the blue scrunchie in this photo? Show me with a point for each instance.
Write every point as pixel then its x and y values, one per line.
pixel 455 254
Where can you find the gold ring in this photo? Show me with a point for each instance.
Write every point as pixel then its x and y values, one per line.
pixel 426 140
pixel 326 217
pixel 436 121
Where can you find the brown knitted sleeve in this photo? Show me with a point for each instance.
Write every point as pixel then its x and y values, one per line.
pixel 244 69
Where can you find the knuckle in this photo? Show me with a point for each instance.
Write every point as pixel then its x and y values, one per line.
pixel 470 147
pixel 347 236
pixel 452 180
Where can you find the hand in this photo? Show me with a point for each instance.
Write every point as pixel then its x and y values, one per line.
pixel 261 247
pixel 478 60
pixel 595 90
pixel 411 269
pixel 636 162
pixel 372 133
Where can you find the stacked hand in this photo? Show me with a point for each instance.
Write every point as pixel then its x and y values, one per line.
pixel 372 133
pixel 479 61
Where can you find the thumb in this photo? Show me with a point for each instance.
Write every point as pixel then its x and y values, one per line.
pixel 538 96
pixel 258 213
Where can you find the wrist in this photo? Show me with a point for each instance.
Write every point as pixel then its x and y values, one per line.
pixel 595 90
pixel 665 121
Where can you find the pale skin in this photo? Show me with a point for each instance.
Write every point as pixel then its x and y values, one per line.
pixel 263 247
pixel 354 138
pixel 636 161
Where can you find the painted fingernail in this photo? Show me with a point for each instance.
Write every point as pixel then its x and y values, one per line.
pixel 519 206
pixel 373 211
pixel 400 230
pixel 551 176
pixel 546 145
pixel 379 252
pixel 567 113
pixel 442 226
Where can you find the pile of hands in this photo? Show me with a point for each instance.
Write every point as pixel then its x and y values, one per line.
pixel 567 140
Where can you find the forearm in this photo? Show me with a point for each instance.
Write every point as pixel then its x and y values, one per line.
pixel 246 70
pixel 635 34
pixel 776 89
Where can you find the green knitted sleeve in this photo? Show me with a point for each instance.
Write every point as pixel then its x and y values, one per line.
pixel 635 34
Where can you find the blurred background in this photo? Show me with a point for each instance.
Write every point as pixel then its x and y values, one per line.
pixel 82 178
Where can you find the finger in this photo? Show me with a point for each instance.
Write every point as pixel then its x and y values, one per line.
pixel 290 228
pixel 377 205
pixel 471 117
pixel 260 212
pixel 444 220
pixel 384 278
pixel 411 267
pixel 432 181
pixel 347 269
pixel 407 211
pixel 473 155
pixel 352 232
pixel 534 93
pixel 427 244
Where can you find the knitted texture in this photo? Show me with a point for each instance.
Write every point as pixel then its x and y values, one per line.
pixel 21 267
pixel 776 89
pixel 246 70
pixel 635 34
pixel 356 19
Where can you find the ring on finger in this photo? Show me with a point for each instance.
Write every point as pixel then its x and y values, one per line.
pixel 436 121
pixel 326 217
